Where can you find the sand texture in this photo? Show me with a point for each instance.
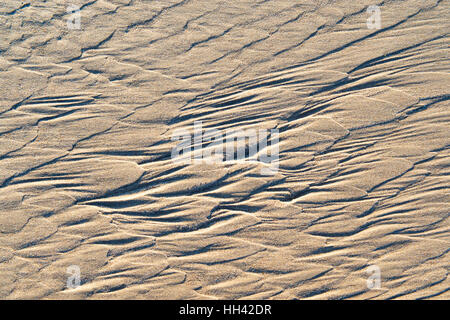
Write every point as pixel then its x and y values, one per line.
pixel 87 177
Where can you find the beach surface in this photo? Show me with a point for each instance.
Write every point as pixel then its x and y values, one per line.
pixel 93 205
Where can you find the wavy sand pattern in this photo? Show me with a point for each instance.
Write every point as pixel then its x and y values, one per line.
pixel 87 179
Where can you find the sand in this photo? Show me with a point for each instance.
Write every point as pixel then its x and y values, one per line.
pixel 94 207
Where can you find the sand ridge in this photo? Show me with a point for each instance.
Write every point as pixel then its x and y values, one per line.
pixel 87 118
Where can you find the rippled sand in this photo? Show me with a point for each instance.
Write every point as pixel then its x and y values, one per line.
pixel 87 179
